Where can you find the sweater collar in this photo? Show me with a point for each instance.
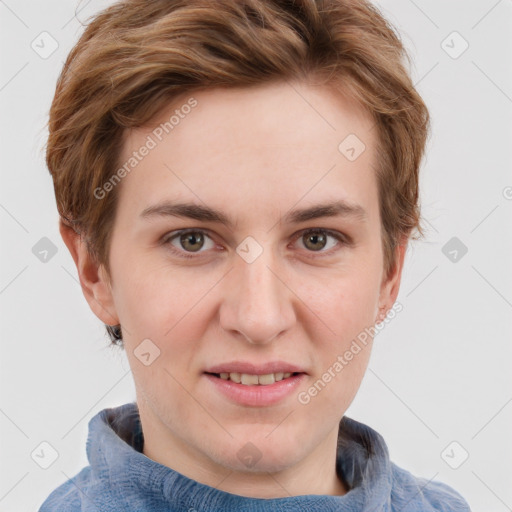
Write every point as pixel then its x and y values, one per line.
pixel 114 450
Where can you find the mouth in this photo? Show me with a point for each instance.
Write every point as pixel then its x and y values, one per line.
pixel 248 379
pixel 250 385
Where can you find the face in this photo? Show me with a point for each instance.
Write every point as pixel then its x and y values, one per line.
pixel 265 290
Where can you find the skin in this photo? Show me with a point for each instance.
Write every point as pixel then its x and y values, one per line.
pixel 255 154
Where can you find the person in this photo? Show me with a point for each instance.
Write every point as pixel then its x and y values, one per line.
pixel 237 183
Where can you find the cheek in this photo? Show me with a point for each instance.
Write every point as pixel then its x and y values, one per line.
pixel 343 353
pixel 170 307
pixel 344 314
pixel 155 297
pixel 344 305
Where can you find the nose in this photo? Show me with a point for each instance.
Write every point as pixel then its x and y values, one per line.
pixel 258 305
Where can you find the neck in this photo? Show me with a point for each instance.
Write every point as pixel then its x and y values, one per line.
pixel 315 474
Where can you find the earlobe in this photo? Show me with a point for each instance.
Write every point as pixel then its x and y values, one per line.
pixel 93 277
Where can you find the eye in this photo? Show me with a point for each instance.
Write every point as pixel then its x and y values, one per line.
pixel 316 240
pixel 185 243
pixel 189 241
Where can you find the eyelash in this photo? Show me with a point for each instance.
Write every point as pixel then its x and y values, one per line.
pixel 342 239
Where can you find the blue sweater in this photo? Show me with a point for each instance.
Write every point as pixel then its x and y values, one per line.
pixel 121 478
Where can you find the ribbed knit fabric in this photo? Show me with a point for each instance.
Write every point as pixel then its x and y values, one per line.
pixel 120 478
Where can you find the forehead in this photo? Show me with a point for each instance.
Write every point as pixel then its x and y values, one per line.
pixel 276 113
pixel 270 145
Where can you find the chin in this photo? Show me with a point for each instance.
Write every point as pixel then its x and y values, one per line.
pixel 260 454
pixel 261 462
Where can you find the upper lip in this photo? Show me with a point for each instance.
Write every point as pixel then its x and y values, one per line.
pixel 255 369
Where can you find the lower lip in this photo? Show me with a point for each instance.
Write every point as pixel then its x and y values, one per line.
pixel 259 395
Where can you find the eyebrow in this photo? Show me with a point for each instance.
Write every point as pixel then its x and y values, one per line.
pixel 198 212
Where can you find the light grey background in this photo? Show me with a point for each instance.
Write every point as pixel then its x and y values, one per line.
pixel 440 371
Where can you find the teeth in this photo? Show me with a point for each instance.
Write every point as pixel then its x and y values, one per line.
pixel 235 377
pixel 266 379
pixel 253 380
pixel 249 379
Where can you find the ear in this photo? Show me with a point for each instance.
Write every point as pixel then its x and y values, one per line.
pixel 94 281
pixel 390 285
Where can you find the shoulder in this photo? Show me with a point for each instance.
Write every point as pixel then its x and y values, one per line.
pixel 411 493
pixel 68 496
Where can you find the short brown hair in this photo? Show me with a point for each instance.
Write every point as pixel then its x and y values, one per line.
pixel 137 55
